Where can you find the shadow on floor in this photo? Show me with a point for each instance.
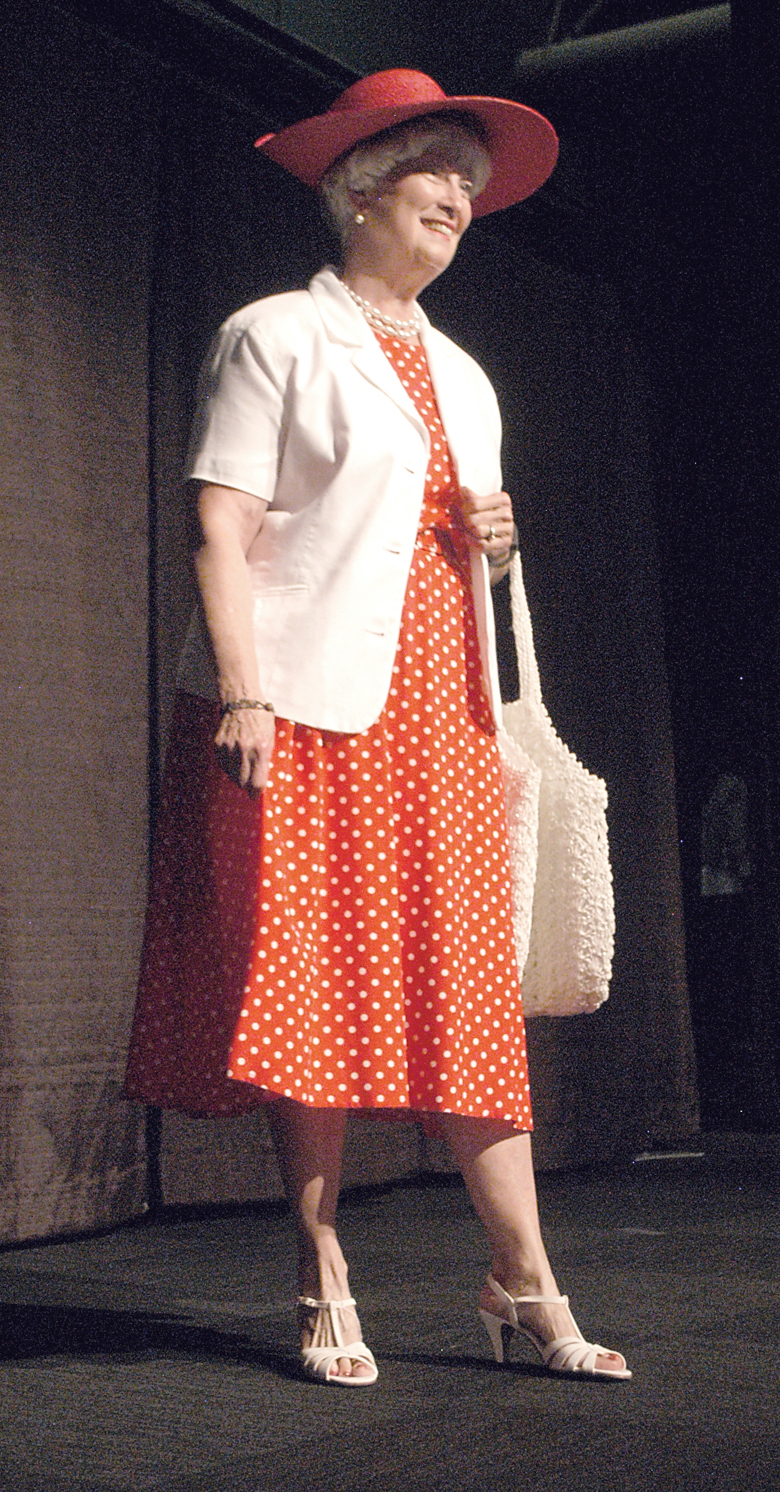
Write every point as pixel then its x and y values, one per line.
pixel 161 1358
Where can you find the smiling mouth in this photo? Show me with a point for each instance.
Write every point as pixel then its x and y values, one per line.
pixel 437 226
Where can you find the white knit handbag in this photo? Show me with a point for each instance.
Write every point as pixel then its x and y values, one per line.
pixel 563 906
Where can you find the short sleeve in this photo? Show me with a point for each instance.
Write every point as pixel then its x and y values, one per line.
pixel 236 431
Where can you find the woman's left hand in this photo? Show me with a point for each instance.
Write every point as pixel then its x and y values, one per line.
pixel 487 522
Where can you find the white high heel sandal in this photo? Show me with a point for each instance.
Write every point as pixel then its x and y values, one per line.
pixel 564 1355
pixel 318 1361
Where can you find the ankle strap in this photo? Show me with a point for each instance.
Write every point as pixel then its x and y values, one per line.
pixel 322 1305
pixel 516 1300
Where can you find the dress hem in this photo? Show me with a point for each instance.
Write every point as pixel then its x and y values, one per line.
pixel 256 1097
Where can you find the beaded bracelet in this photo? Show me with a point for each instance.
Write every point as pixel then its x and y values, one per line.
pixel 231 706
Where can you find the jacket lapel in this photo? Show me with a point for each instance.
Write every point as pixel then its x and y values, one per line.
pixel 451 394
pixel 344 324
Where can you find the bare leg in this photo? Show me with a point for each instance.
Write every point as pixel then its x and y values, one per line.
pixel 496 1164
pixel 309 1144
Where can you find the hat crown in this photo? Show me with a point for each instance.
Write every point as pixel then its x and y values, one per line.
pixel 396 88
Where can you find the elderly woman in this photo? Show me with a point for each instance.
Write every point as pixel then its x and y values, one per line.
pixel 330 916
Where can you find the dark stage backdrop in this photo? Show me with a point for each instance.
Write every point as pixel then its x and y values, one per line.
pixel 136 218
pixel 76 242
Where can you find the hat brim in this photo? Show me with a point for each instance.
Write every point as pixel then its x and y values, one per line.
pixel 522 144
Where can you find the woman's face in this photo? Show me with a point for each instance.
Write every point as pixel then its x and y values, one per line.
pixel 414 222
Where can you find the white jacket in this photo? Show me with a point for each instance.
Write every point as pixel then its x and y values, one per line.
pixel 300 406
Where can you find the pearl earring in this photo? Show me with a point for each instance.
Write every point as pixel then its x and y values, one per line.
pixel 360 218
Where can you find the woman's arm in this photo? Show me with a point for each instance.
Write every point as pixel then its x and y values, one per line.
pixel 228 521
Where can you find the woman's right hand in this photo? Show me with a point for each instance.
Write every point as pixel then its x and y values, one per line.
pixel 244 745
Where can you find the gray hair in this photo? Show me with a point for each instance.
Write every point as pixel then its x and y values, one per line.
pixel 366 165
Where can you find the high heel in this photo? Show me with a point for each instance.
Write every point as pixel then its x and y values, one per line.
pixel 318 1361
pixel 563 1355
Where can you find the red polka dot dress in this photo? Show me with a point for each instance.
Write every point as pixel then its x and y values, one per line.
pixel 369 962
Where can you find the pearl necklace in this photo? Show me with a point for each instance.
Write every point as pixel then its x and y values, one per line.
pixel 406 330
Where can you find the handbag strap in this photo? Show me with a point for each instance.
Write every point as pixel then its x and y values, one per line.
pixel 527 666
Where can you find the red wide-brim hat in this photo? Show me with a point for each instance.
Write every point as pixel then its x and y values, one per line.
pixel 522 144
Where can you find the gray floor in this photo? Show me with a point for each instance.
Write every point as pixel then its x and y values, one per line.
pixel 160 1357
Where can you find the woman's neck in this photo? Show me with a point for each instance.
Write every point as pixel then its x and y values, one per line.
pixel 408 328
pixel 395 300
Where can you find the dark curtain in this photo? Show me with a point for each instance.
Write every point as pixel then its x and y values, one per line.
pixel 137 216
pixel 77 212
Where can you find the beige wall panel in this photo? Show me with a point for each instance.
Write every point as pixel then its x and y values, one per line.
pixel 76 253
pixel 232 1160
